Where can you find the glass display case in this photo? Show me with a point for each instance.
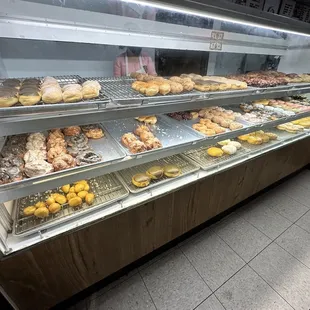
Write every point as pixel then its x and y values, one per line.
pixel 137 99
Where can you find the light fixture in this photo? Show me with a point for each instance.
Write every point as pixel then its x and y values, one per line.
pixel 180 9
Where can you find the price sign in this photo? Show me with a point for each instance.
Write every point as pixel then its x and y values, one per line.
pixel 216 42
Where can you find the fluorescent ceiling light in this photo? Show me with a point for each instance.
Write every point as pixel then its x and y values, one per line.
pixel 180 9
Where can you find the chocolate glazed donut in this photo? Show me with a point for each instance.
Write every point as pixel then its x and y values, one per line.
pixel 88 157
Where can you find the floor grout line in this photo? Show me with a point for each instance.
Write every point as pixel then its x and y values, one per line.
pixel 147 289
pixel 270 286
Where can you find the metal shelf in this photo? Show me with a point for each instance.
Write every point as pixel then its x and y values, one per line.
pixel 31 186
pixel 112 111
pixel 16 243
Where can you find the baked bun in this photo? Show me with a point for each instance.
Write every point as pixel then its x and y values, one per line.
pixel 8 97
pixel 29 210
pixel 137 147
pixel 176 88
pixel 72 95
pixel 95 84
pixel 141 180
pixel 172 171
pixel 215 152
pixel 152 90
pixel 155 173
pixel 72 86
pixel 152 120
pixel 29 96
pixel 90 91
pixel 164 88
pixel 41 212
pixel 52 95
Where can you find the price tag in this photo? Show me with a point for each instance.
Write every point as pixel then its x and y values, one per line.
pixel 216 40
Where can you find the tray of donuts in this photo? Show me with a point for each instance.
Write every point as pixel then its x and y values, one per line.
pixel 43 210
pixel 143 177
pixel 147 134
pixel 35 155
pixel 49 94
pixel 210 121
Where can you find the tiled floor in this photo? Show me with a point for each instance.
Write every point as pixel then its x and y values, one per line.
pixel 257 258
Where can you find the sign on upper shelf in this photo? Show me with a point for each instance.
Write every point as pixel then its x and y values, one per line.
pixel 216 42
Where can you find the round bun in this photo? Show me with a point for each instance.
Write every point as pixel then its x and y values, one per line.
pixel 141 180
pixel 172 171
pixel 155 173
pixel 29 210
pixel 41 212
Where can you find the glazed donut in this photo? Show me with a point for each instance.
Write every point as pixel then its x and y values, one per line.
pixel 137 147
pixel 153 143
pixel 36 136
pixel 140 129
pixel 75 150
pixel 88 157
pixel 146 135
pixel 11 161
pixel 4 177
pixel 78 140
pixel 35 145
pixel 56 142
pixel 128 138
pixel 63 161
pixel 55 152
pixel 33 155
pixel 72 130
pixel 15 174
pixel 37 168
pixel 56 133
pixel 95 133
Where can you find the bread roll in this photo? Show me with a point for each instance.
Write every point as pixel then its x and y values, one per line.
pixel 164 88
pixel 90 91
pixel 152 90
pixel 95 84
pixel 52 95
pixel 176 88
pixel 72 86
pixel 72 95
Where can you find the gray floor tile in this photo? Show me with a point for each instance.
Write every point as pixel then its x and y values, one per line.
pixel 297 242
pixel 284 205
pixel 211 303
pixel 129 295
pixel 174 283
pixel 285 274
pixel 263 218
pixel 241 236
pixel 299 193
pixel 303 179
pixel 304 222
pixel 157 258
pixel 215 261
pixel 246 290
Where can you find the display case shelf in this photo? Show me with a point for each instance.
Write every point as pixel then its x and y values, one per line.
pixel 30 186
pixel 33 122
pixel 133 200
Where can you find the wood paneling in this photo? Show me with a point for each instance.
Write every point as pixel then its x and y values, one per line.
pixel 57 269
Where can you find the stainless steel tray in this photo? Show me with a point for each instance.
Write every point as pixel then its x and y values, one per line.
pixel 106 147
pixel 186 165
pixel 107 189
pixel 170 132
pixel 207 162
pixel 119 90
pixel 41 107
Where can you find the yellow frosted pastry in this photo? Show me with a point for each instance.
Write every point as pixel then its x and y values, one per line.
pixel 29 210
pixel 66 188
pixel 79 187
pixel 70 195
pixel 215 152
pixel 61 199
pixel 75 202
pixel 54 208
pixel 89 199
pixel 40 204
pixel 82 194
pixel 243 137
pixel 41 212
pixel 255 140
pixel 50 200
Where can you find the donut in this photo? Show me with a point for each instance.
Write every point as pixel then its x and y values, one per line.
pixel 72 131
pixel 77 140
pixel 88 157
pixel 63 162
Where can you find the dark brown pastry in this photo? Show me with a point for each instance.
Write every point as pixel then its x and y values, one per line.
pixel 72 131
pixel 11 83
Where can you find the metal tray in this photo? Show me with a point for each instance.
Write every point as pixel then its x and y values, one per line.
pixel 121 92
pixel 41 107
pixel 107 189
pixel 106 147
pixel 186 165
pixel 206 162
pixel 170 132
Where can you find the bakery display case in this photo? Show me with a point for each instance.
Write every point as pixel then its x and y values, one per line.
pixel 100 151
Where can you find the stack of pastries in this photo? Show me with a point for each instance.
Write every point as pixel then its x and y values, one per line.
pixel 153 85
pixel 141 140
pixel 224 118
pixel 31 91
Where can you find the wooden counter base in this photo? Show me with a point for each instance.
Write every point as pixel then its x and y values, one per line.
pixel 57 269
